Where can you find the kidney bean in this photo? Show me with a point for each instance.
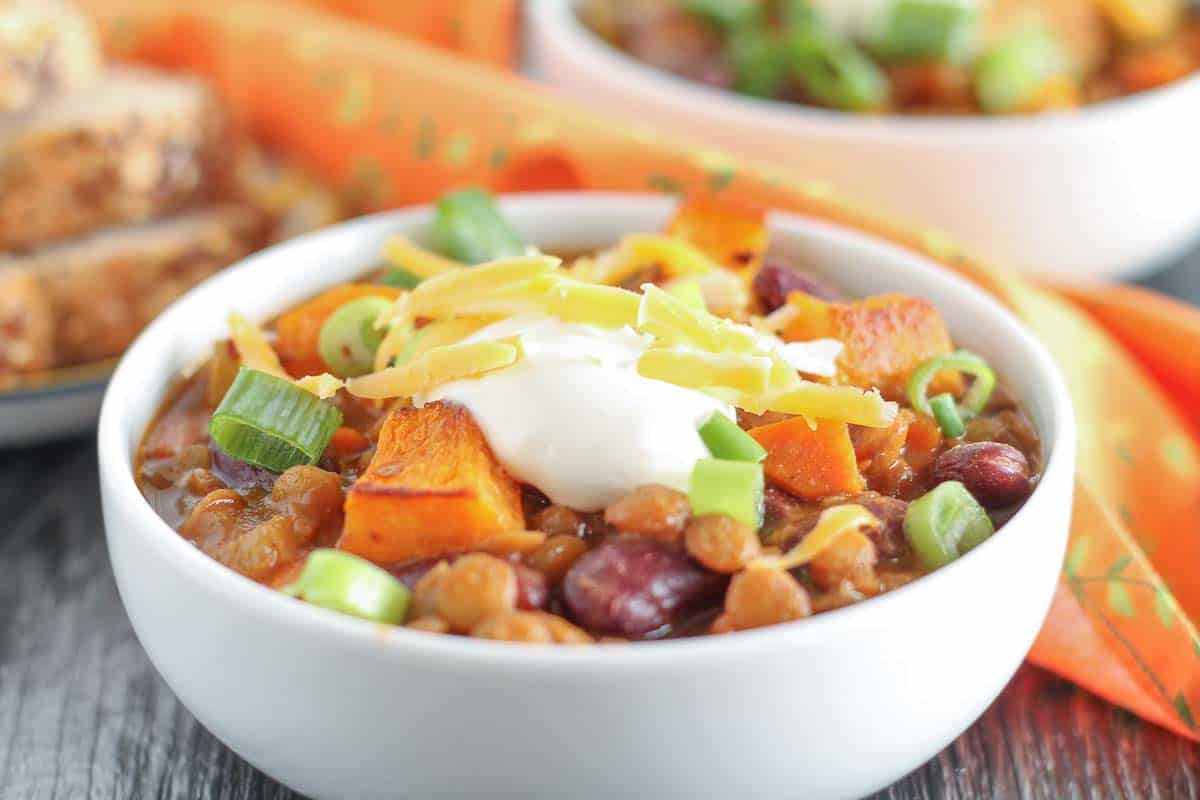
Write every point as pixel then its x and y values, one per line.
pixel 778 505
pixel 889 537
pixel 237 473
pixel 774 282
pixel 532 588
pixel 633 585
pixel 996 474
pixel 409 572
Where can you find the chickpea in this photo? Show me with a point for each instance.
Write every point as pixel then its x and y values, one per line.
pixel 513 543
pixel 536 627
pixel 476 586
pixel 311 496
pixel 194 456
pixel 758 597
pixel 850 558
pixel 214 518
pixel 721 543
pixel 651 511
pixel 558 521
pixel 425 592
pixel 201 481
pixel 429 625
pixel 260 550
pixel 513 626
pixel 556 556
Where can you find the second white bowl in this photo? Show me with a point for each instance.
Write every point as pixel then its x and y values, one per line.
pixel 1107 191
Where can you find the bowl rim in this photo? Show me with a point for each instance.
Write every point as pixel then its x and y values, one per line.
pixel 116 459
pixel 551 19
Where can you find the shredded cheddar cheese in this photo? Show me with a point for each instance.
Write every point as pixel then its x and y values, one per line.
pixel 323 386
pixel 831 525
pixel 435 367
pixel 417 260
pixel 673 322
pixel 746 374
pixel 444 294
pixel 253 349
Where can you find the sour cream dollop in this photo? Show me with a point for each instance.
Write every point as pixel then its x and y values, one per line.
pixel 575 419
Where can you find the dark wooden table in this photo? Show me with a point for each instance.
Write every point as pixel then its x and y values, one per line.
pixel 83 714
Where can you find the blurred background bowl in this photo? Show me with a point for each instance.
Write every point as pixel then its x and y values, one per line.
pixel 1102 192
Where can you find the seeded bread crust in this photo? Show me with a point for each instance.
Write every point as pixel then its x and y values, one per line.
pixel 46 47
pixel 86 299
pixel 26 323
pixel 134 146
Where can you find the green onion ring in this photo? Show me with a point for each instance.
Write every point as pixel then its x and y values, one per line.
pixel 947 416
pixel 270 422
pixel 976 397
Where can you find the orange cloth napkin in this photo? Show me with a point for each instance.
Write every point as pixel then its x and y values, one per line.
pixel 394 121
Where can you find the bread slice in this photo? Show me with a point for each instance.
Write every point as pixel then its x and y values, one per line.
pixel 135 145
pixel 26 323
pixel 100 290
pixel 46 47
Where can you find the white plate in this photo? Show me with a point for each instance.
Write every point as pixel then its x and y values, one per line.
pixel 66 402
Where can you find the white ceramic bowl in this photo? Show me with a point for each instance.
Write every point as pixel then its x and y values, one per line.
pixel 1102 192
pixel 833 706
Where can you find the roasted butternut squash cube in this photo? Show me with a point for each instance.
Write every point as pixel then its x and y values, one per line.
pixel 812 461
pixel 433 487
pixel 886 337
pixel 735 238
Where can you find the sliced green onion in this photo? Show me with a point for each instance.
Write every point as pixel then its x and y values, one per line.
pixel 400 278
pixel 688 291
pixel 976 398
pixel 270 422
pixel 732 488
pixel 726 13
pixel 468 227
pixel 759 62
pixel 946 413
pixel 726 440
pixel 938 29
pixel 834 71
pixel 339 581
pixel 1009 76
pixel 945 523
pixel 349 338
pixel 797 13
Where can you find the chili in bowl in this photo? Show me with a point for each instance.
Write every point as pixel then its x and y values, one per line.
pixel 675 436
pixel 1030 191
